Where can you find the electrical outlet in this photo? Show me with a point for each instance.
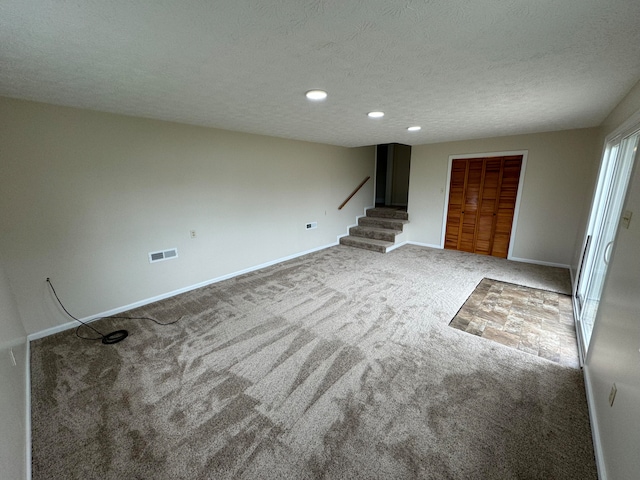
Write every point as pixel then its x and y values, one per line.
pixel 192 233
pixel 612 395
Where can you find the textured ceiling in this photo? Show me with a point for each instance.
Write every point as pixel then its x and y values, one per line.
pixel 459 68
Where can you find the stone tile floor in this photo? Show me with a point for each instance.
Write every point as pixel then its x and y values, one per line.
pixel 535 321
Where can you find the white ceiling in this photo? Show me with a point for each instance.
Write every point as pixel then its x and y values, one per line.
pixel 459 68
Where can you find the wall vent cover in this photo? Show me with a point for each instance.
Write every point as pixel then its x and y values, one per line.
pixel 163 255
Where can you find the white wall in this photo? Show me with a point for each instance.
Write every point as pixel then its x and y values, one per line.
pixel 84 196
pixel 13 439
pixel 613 355
pixel 557 183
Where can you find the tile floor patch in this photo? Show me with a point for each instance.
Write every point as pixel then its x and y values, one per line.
pixel 534 321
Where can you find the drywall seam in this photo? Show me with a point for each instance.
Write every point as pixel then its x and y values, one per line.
pixel 114 311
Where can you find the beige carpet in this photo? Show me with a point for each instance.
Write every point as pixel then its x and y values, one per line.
pixel 336 365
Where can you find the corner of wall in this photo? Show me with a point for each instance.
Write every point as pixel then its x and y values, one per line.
pixel 15 412
pixel 595 431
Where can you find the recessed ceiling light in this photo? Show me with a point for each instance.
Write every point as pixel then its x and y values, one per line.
pixel 376 114
pixel 316 95
pixel 414 129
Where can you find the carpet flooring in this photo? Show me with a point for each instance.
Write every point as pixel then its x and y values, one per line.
pixel 338 365
pixel 535 321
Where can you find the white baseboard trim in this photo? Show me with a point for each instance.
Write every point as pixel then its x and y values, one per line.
pixel 428 245
pixel 393 247
pixel 364 214
pixel 595 431
pixel 515 259
pixel 539 262
pixel 27 420
pixel 141 303
pixel 358 217
pixel 349 228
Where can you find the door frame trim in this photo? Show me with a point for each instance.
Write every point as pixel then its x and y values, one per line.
pixel 514 223
pixel 628 128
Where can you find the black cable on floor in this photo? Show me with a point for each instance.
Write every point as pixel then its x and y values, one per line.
pixel 102 336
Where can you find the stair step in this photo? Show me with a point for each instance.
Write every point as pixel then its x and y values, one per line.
pixel 380 246
pixel 375 233
pixel 382 212
pixel 380 222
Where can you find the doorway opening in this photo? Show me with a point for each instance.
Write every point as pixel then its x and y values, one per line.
pixel 393 164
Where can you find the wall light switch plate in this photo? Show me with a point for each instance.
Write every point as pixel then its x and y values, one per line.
pixel 626 218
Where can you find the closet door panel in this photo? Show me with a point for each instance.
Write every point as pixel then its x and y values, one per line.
pixel 482 201
pixel 456 199
pixel 488 206
pixel 506 206
pixel 471 203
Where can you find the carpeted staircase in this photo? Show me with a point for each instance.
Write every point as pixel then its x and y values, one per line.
pixel 378 231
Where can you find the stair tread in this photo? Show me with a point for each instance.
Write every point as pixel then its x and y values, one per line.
pixel 371 241
pixel 386 219
pixel 383 212
pixel 371 244
pixel 378 221
pixel 378 224
pixel 371 228
pixel 380 217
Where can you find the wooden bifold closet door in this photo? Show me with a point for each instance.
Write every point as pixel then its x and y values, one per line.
pixel 482 201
